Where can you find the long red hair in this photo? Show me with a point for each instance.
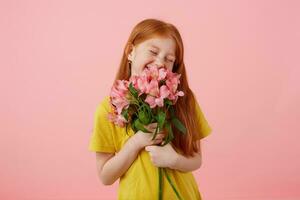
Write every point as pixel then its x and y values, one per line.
pixel 185 105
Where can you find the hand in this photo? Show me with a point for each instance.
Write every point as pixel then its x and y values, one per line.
pixel 141 139
pixel 162 156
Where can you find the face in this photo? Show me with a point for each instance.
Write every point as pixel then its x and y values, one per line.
pixel 157 51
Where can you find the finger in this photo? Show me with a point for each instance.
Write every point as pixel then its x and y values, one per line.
pixel 160 136
pixel 157 137
pixel 157 141
pixel 153 125
pixel 148 148
pixel 149 127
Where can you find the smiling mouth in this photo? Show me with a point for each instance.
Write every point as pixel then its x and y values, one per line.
pixel 148 66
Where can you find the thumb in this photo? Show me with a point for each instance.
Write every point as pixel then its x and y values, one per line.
pixel 148 148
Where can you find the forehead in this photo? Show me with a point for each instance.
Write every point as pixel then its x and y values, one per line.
pixel 164 44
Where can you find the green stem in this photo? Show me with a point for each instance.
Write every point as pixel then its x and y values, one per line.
pixel 160 176
pixel 174 188
pixel 162 171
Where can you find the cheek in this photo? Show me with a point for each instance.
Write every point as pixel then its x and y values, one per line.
pixel 138 66
pixel 170 67
pixel 142 61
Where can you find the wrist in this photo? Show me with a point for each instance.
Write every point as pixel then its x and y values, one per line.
pixel 175 161
pixel 133 145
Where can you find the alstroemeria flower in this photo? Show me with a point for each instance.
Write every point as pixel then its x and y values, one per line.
pixel 172 83
pixel 142 84
pixel 152 88
pixel 157 83
pixel 117 119
pixel 158 100
pixel 153 72
pixel 136 82
pixel 119 95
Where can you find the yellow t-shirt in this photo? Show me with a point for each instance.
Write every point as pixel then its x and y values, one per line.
pixel 140 181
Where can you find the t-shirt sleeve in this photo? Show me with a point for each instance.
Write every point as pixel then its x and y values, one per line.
pixel 205 128
pixel 102 139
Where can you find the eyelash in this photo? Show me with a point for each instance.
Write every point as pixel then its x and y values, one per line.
pixel 153 52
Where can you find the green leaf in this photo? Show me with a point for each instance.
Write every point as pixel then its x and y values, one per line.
pixel 170 135
pixel 155 133
pixel 168 102
pixel 140 126
pixel 133 127
pixel 161 116
pixel 133 91
pixel 179 125
pixel 172 111
pixel 143 117
pixel 149 110
pixel 125 113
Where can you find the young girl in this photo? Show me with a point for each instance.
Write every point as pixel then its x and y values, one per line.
pixel 134 157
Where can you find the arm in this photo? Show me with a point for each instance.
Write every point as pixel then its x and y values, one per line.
pixel 186 164
pixel 110 167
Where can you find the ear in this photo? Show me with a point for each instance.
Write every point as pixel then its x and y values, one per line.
pixel 130 51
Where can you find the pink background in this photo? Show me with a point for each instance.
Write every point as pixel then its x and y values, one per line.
pixel 59 58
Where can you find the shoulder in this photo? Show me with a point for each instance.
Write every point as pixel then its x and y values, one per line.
pixel 104 104
pixel 197 108
pixel 102 109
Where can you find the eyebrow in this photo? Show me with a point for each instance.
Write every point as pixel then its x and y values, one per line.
pixel 158 48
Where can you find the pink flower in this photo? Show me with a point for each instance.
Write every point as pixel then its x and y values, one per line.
pixel 174 97
pixel 119 95
pixel 172 83
pixel 145 83
pixel 142 83
pixel 117 119
pixel 135 81
pixel 162 73
pixel 152 88
pixel 153 72
pixel 158 100
pixel 157 83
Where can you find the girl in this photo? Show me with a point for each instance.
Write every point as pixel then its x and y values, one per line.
pixel 134 157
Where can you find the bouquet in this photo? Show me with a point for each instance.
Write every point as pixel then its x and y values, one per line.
pixel 148 98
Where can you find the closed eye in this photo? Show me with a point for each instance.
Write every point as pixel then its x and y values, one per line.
pixel 153 52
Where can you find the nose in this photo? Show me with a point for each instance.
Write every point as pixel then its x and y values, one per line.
pixel 159 62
